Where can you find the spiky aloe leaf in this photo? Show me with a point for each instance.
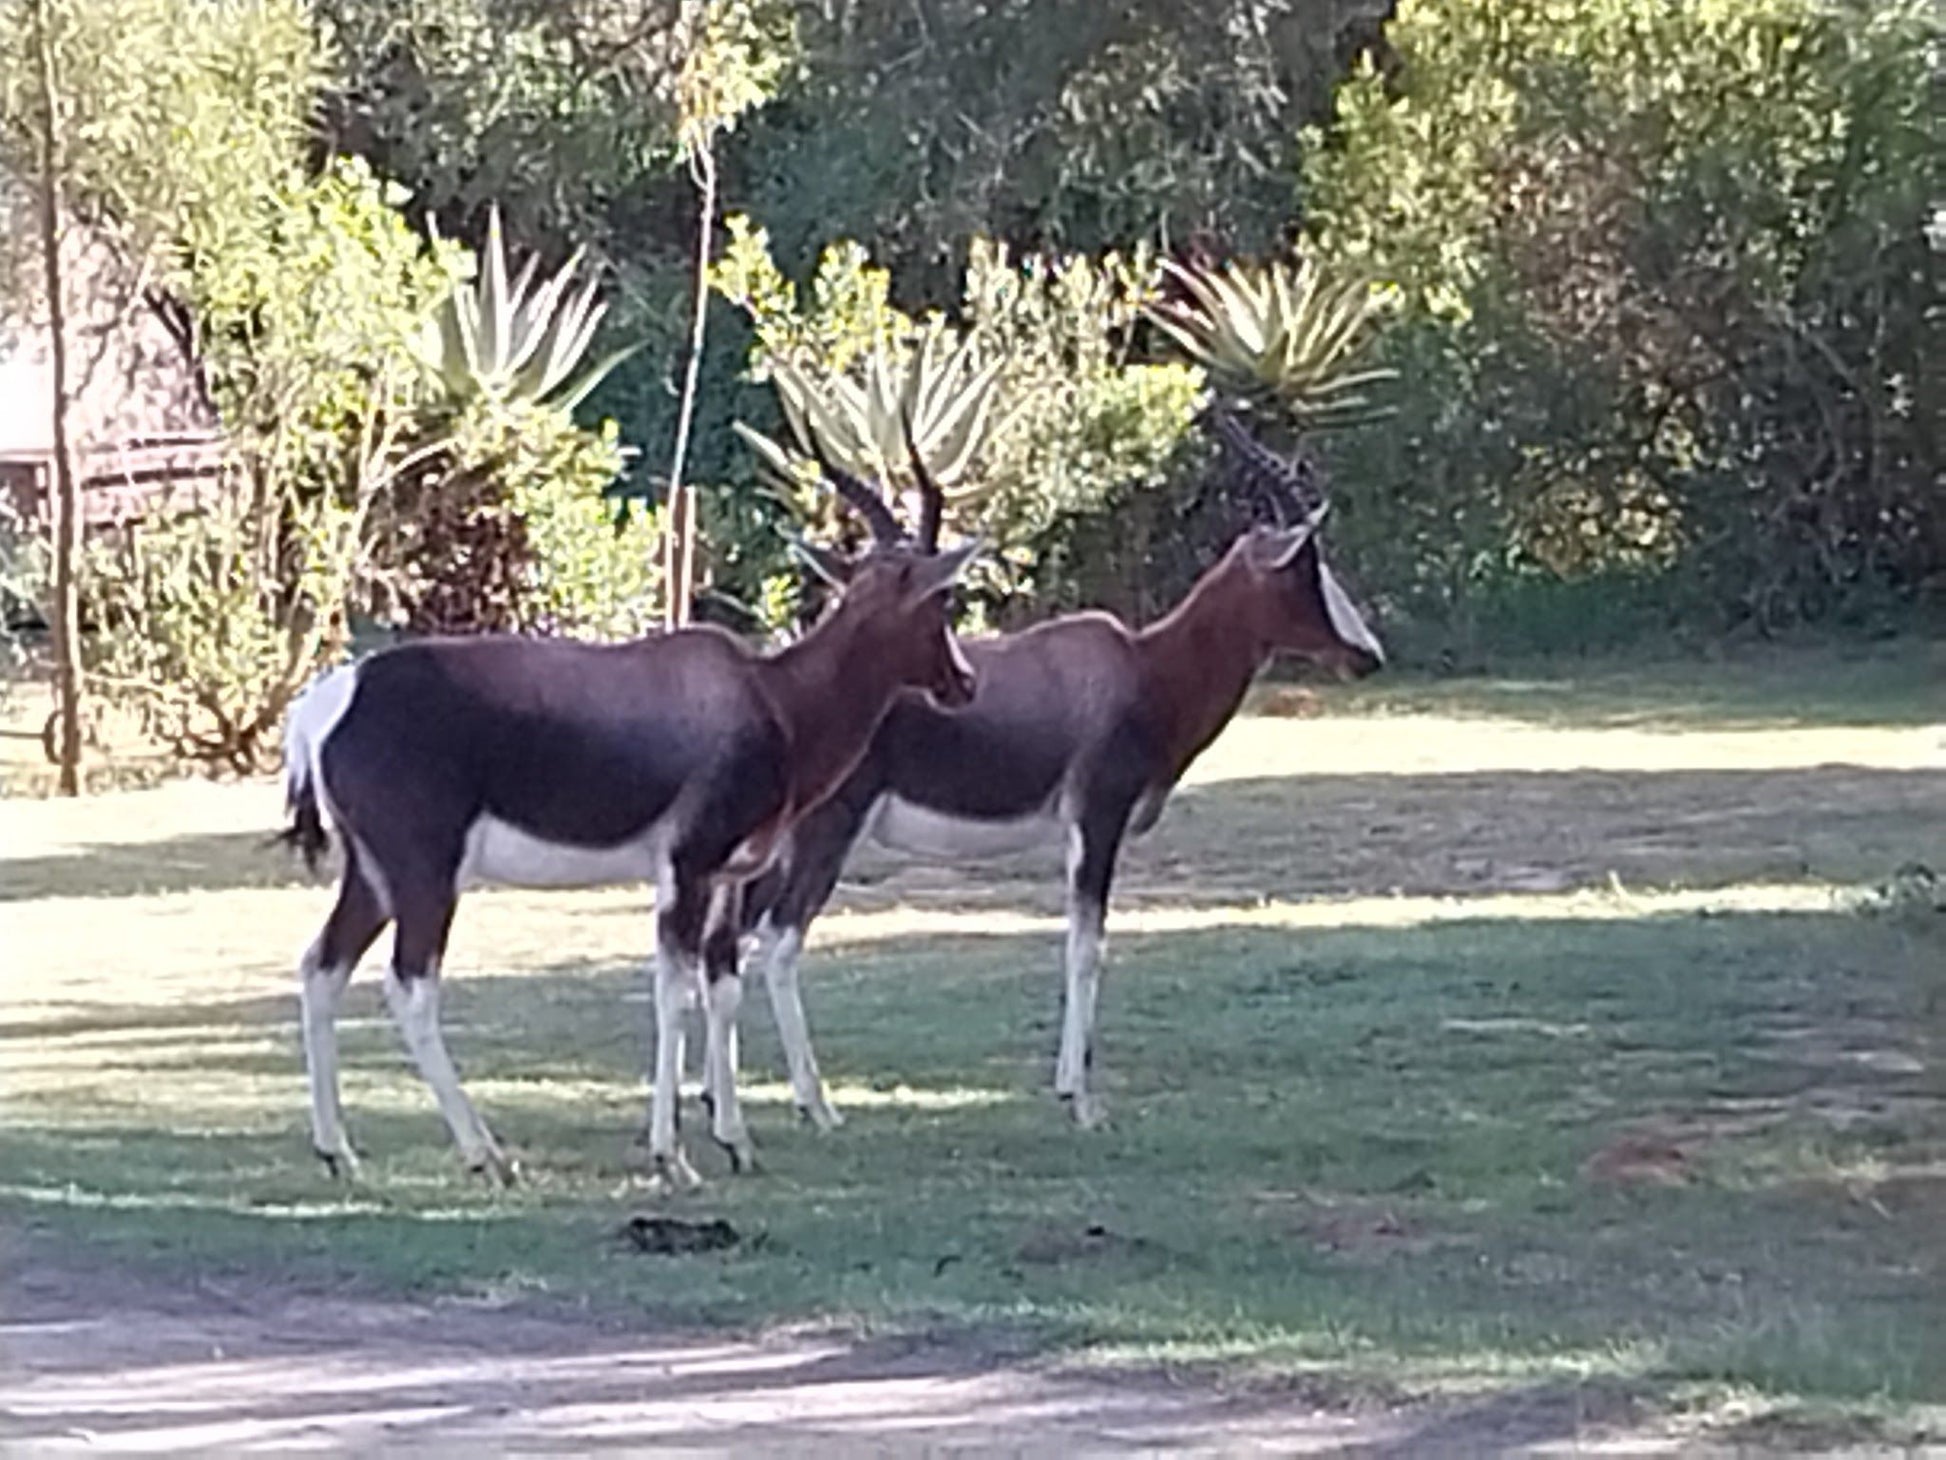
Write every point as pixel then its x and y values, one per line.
pixel 495 324
pixel 560 339
pixel 1281 331
pixel 538 323
pixel 860 417
pixel 518 337
pixel 775 462
pixel 585 383
pixel 955 431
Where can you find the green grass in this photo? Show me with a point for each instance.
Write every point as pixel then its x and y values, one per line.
pixel 1377 1046
pixel 1850 683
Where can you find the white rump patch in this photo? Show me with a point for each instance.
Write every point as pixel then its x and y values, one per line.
pixel 314 714
pixel 905 826
pixel 1346 621
pixel 498 851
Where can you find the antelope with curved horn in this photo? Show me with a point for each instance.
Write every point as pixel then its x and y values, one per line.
pixel 1079 730
pixel 683 758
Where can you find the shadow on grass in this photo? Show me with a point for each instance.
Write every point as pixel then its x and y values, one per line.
pixel 1319 834
pixel 204 862
pixel 1355 1151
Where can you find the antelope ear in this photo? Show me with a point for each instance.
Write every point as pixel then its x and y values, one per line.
pixel 1273 549
pixel 935 574
pixel 829 566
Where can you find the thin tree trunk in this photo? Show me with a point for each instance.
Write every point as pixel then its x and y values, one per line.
pixel 679 537
pixel 67 507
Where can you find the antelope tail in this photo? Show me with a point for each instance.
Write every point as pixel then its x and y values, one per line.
pixel 313 716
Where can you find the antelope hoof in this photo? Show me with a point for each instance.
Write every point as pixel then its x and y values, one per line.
pixel 672 1173
pixel 496 1167
pixel 340 1165
pixel 743 1155
pixel 1087 1111
pixel 820 1114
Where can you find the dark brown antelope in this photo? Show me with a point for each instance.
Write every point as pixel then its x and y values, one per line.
pixel 1080 729
pixel 681 759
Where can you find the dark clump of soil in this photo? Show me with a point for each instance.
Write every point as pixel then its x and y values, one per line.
pixel 1055 1245
pixel 672 1236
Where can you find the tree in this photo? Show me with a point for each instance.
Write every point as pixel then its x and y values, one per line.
pixel 730 65
pixel 85 89
pixel 551 112
pixel 66 618
pixel 1046 124
pixel 308 312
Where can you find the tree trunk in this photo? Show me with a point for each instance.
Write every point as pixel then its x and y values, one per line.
pixel 67 506
pixel 679 536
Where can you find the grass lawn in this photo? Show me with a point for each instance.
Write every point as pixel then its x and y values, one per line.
pixel 1465 1035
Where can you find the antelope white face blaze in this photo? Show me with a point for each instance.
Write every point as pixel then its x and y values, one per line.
pixel 313 716
pixel 1346 620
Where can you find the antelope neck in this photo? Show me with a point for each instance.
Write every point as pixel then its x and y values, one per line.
pixel 1201 657
pixel 831 689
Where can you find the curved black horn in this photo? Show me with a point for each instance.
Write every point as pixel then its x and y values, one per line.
pixel 863 499
pixel 1287 485
pixel 932 501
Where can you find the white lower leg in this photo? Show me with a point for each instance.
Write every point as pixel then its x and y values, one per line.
pixel 652 1033
pixel 415 1009
pixel 672 981
pixel 779 955
pixel 1078 1018
pixel 319 992
pixel 722 1000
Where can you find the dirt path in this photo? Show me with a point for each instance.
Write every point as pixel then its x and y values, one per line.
pixel 98 1361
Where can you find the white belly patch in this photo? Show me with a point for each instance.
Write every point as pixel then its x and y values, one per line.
pixel 904 826
pixel 497 851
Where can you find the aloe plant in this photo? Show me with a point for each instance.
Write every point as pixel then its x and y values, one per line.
pixel 518 339
pixel 1280 332
pixel 940 393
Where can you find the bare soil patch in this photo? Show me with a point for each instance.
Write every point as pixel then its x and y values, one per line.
pixel 95 1360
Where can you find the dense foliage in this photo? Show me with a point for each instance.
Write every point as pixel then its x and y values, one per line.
pixel 305 319
pixel 306 296
pixel 1073 421
pixel 1672 320
pixel 1662 286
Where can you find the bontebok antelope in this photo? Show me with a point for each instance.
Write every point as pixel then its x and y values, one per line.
pixel 1079 730
pixel 681 759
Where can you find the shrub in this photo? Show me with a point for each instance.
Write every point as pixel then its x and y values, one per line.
pixel 1075 421
pixel 306 305
pixel 1668 301
pixel 513 532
